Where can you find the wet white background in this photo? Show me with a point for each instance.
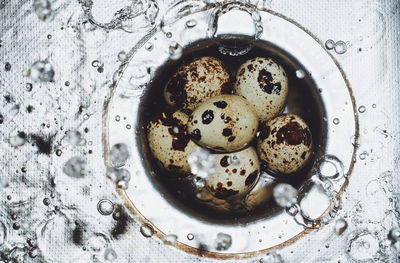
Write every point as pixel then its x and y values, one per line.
pixel 49 209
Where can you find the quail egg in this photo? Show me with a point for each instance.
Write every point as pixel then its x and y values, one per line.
pixel 264 84
pixel 285 143
pixel 169 141
pixel 235 173
pixel 196 82
pixel 224 123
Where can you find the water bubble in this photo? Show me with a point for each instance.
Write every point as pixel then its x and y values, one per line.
pixel 329 167
pixel 42 9
pixel 340 226
pixel 95 63
pixel 149 46
pixel 293 210
pixel 340 47
pixel 75 167
pixel 191 23
pixel 234 160
pixel 122 56
pixel 361 109
pixel 147 230
pixel 300 74
pixel 58 152
pixel 223 242
pixel 330 44
pixel 190 236
pixel 46 201
pixel 363 155
pixel 18 140
pixel 110 255
pixel 41 71
pixel 105 207
pixel 16 226
pixel 272 257
pixel 128 126
pixel 28 87
pixel 170 239
pixel 314 200
pixel 117 118
pixel 363 246
pixel 394 235
pixel 336 121
pixel 285 195
pixel 119 154
pixel 201 163
pixel 175 50
pixel 7 66
pixel 168 34
pixel 49 36
pixel 374 106
pixel 74 137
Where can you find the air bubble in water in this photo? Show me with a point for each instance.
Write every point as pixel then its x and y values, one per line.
pixel 191 23
pixel 394 236
pixel 363 246
pixel 149 46
pixel 363 155
pixel 329 167
pixel 110 255
pixel 170 239
pixel 340 47
pixel 285 195
pixel 300 74
pixel 189 236
pixel 41 71
pixel 75 167
pixel 330 44
pixel 361 109
pixel 175 50
pixel 105 207
pixel 201 163
pixel 168 34
pixel 336 121
pixel 223 242
pixel 147 230
pixel 42 9
pixel 340 226
pixel 119 154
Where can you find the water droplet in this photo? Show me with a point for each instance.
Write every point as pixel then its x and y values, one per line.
pixel 374 106
pixel 394 236
pixel 67 83
pixel 363 155
pixel 110 255
pixel 170 239
pixel 336 121
pixel 122 56
pixel 16 226
pixel 117 118
pixel 340 47
pixel 361 109
pixel 190 236
pixel 149 46
pixel 234 160
pixel 300 74
pixel 147 230
pixel 75 167
pixel 128 126
pixel 329 167
pixel 175 50
pixel 46 201
pixel 363 246
pixel 191 23
pixel 330 44
pixel 95 63
pixel 119 154
pixel 314 200
pixel 58 152
pixel 293 210
pixel 201 163
pixel 18 140
pixel 105 207
pixel 272 257
pixel 28 87
pixel 223 242
pixel 340 226
pixel 42 9
pixel 41 71
pixel 168 34
pixel 285 195
pixel 7 66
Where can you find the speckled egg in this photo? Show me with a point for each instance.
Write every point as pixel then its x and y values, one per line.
pixel 235 173
pixel 224 123
pixel 285 144
pixel 264 84
pixel 196 82
pixel 170 142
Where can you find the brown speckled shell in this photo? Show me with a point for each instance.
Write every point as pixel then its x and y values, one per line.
pixel 224 123
pixel 196 82
pixel 230 179
pixel 169 141
pixel 285 144
pixel 264 84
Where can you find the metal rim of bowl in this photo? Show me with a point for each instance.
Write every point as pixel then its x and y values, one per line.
pixel 125 98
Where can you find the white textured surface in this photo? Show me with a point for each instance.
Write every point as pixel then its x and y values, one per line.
pixel 369 203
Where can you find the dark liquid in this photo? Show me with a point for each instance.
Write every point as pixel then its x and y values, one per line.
pixel 303 100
